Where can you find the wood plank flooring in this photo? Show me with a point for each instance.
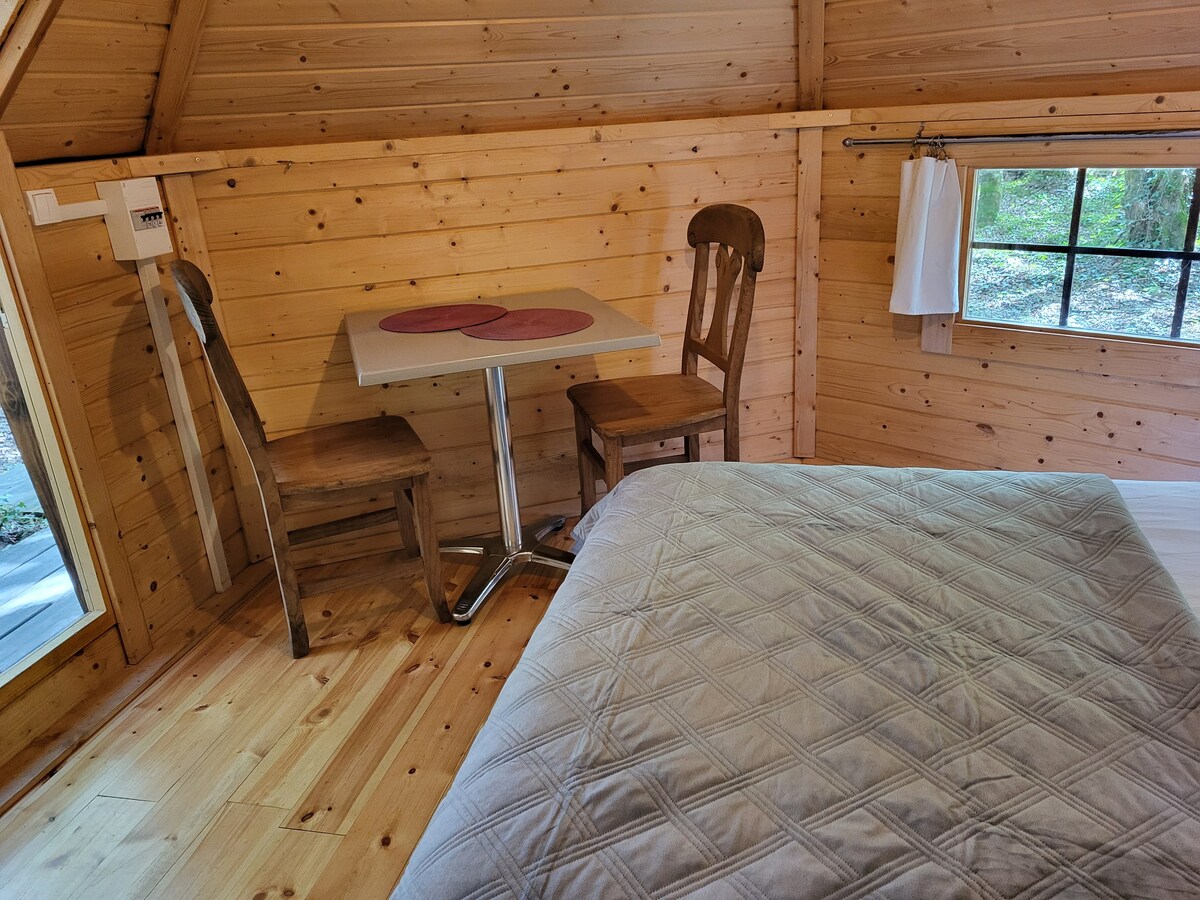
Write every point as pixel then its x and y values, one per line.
pixel 244 773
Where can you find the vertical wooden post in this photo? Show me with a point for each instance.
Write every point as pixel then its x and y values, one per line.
pixel 808 255
pixel 810 78
pixel 185 425
pixel 810 75
pixel 184 211
pixel 57 372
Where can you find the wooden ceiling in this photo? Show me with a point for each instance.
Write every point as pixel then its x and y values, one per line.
pixel 239 73
pixel 116 77
pixel 88 87
pixel 902 52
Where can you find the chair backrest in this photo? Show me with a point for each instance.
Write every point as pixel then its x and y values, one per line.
pixel 737 233
pixel 197 297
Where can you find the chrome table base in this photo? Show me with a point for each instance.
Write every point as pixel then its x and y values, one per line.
pixel 516 546
pixel 498 562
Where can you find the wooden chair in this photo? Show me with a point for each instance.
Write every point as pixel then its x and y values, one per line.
pixel 322 467
pixel 627 411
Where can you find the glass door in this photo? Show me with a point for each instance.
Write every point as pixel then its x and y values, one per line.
pixel 48 586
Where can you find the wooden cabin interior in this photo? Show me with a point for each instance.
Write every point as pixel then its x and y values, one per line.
pixel 320 159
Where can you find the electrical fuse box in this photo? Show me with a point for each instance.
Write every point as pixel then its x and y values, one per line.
pixel 137 222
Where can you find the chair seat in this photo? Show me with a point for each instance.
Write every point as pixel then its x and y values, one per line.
pixel 647 404
pixel 350 455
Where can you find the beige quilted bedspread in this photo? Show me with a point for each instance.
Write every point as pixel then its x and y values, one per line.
pixel 788 682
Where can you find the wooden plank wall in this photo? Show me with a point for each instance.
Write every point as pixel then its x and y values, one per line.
pixel 297 245
pixel 88 90
pixel 307 71
pixel 99 305
pixel 1004 398
pixel 104 320
pixel 897 52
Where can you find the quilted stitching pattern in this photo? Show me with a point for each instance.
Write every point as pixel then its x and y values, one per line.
pixel 781 681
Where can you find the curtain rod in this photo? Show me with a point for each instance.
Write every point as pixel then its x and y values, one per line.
pixel 939 141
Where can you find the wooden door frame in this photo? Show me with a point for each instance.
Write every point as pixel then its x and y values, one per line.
pixel 81 478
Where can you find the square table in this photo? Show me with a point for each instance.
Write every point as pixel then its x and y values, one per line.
pixel 383 356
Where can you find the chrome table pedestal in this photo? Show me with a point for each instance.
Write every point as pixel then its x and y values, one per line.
pixel 516 546
pixel 382 357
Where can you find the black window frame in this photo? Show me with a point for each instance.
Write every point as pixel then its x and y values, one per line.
pixel 1073 249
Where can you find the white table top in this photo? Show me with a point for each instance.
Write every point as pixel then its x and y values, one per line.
pixel 382 356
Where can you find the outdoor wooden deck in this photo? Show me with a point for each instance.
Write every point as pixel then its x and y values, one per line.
pixel 37 598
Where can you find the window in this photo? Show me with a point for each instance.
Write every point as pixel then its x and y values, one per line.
pixel 49 587
pixel 1101 250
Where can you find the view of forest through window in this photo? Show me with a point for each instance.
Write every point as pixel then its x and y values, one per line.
pixel 1100 250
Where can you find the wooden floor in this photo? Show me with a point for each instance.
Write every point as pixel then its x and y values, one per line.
pixel 244 773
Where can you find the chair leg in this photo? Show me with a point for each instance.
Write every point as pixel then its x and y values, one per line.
pixel 431 556
pixel 691 447
pixel 733 441
pixel 408 531
pixel 587 476
pixel 614 462
pixel 293 608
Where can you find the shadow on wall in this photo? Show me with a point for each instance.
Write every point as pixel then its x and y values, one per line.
pixel 148 480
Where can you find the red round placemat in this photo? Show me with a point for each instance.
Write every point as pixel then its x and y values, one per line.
pixel 447 317
pixel 531 324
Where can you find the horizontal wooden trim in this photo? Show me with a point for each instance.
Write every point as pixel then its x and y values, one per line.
pixel 69 173
pixel 17 682
pixel 418 169
pixel 1084 107
pixel 1067 111
pixel 1063 109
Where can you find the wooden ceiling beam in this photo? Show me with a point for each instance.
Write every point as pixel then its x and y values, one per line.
pixel 28 23
pixel 179 61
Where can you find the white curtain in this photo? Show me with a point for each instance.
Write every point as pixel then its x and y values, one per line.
pixel 927 239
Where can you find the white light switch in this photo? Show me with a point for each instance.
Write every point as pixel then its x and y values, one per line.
pixel 43 206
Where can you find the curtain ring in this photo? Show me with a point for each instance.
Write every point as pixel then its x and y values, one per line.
pixel 914 152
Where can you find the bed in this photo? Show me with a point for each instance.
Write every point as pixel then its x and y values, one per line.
pixel 778 681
